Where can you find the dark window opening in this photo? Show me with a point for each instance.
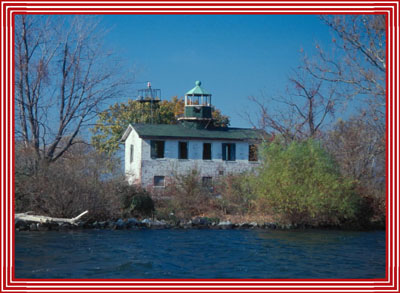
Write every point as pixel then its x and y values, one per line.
pixel 253 153
pixel 157 149
pixel 207 151
pixel 159 181
pixel 131 154
pixel 228 152
pixel 221 173
pixel 183 150
pixel 207 182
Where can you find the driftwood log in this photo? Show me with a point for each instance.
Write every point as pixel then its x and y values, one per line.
pixel 44 219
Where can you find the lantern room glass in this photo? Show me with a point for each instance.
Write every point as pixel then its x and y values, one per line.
pixel 202 100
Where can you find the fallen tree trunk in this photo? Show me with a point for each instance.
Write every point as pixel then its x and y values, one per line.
pixel 45 219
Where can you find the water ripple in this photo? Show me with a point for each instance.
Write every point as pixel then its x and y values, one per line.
pixel 200 254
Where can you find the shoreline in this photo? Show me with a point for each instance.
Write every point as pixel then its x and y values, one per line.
pixel 194 224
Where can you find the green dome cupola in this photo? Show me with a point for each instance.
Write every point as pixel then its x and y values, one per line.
pixel 198 90
pixel 198 106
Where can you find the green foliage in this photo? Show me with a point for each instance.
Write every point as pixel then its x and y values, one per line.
pixel 112 123
pixel 135 201
pixel 220 120
pixel 302 184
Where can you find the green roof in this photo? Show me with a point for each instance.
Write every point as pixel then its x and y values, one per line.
pixel 198 90
pixel 180 131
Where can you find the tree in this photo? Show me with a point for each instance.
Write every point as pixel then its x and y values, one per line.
pixel 112 122
pixel 357 65
pixel 355 70
pixel 360 151
pixel 302 184
pixel 63 76
pixel 301 113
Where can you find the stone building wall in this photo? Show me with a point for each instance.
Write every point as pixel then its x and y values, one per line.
pixel 143 168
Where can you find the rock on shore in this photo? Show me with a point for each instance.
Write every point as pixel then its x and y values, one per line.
pixel 133 223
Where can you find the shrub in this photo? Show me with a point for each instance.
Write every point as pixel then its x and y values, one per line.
pixel 359 148
pixel 165 210
pixel 80 180
pixel 237 193
pixel 135 201
pixel 301 183
pixel 188 196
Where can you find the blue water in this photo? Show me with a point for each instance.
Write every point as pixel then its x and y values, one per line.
pixel 200 254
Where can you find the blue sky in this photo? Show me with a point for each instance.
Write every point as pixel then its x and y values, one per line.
pixel 234 56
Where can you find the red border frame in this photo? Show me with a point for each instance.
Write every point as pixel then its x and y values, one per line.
pixel 9 8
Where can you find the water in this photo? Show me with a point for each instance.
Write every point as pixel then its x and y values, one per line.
pixel 200 254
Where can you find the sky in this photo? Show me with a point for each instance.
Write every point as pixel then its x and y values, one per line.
pixel 234 56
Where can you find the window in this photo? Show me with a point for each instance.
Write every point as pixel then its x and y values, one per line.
pixel 159 181
pixel 131 154
pixel 207 182
pixel 157 149
pixel 253 153
pixel 228 152
pixel 183 150
pixel 207 151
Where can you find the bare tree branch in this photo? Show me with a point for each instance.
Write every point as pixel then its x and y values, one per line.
pixel 63 76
